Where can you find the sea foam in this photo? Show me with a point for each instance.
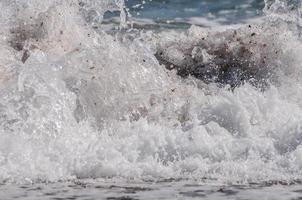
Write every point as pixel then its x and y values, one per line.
pixel 77 102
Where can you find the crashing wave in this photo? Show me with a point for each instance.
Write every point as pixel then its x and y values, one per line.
pixel 253 54
pixel 79 103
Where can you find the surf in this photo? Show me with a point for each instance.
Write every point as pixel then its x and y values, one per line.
pixel 77 102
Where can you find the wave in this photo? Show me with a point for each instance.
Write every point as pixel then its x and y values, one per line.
pixel 77 102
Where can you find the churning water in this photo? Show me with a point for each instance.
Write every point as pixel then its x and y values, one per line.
pixel 213 112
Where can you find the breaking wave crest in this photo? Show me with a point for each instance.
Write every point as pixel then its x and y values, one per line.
pixel 77 102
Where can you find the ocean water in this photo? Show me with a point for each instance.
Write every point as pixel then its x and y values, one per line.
pixel 103 99
pixel 225 12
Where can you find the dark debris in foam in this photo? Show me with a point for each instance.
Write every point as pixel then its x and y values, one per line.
pixel 232 57
pixel 25 35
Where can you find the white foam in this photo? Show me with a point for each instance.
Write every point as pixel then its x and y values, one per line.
pixel 91 105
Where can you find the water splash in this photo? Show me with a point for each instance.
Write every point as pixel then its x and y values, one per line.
pixel 79 103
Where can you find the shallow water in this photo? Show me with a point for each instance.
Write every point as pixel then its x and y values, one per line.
pixel 110 189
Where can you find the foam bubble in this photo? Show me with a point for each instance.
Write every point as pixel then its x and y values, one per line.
pixel 79 103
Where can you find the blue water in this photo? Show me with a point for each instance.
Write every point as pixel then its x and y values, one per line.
pixel 179 14
pixel 231 10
